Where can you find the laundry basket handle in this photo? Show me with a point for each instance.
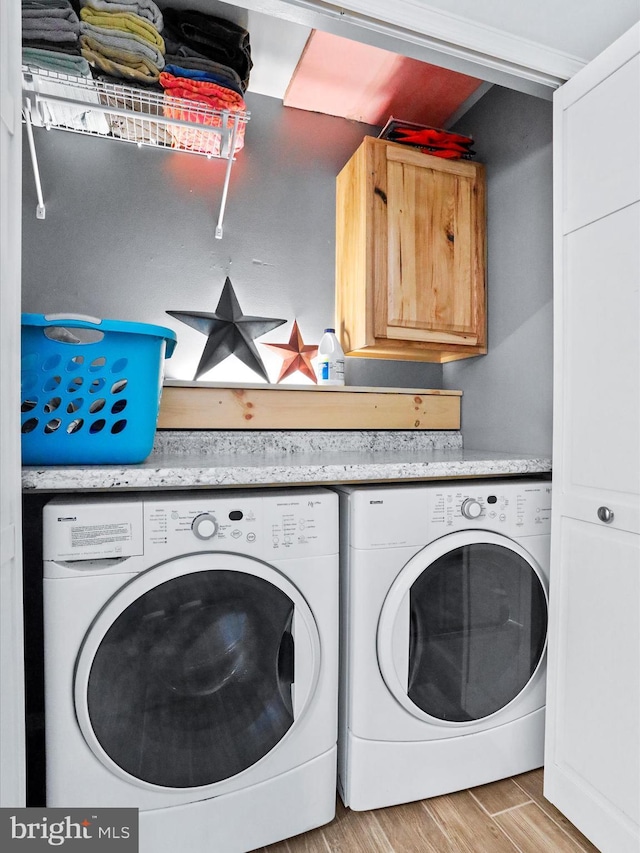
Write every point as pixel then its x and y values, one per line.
pixel 82 318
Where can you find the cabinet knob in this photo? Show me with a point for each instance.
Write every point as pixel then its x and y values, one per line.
pixel 605 514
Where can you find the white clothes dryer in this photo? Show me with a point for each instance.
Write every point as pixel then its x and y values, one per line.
pixel 443 637
pixel 191 662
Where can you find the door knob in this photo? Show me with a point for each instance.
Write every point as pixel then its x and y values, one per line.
pixel 605 514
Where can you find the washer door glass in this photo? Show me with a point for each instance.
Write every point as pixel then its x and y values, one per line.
pixel 469 630
pixel 192 682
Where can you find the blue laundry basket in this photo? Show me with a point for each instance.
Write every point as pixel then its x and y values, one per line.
pixel 90 388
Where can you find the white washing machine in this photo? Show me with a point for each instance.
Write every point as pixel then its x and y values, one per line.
pixel 443 637
pixel 191 662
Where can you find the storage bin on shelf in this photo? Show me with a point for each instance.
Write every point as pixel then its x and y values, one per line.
pixel 90 388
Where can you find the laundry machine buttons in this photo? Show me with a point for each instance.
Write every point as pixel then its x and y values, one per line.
pixel 204 526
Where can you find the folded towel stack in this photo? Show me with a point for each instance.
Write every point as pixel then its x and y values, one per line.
pixel 195 35
pixel 50 42
pixel 66 69
pixel 122 38
pixel 199 63
pixel 50 25
pixel 185 98
pixel 208 65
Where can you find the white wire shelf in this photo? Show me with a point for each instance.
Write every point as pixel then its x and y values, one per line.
pixel 145 117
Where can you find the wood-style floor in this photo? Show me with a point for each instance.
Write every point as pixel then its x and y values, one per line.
pixel 510 816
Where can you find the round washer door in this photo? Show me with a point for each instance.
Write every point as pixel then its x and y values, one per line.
pixel 196 670
pixel 463 629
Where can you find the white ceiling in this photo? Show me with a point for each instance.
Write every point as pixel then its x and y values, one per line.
pixel 581 28
pixel 554 37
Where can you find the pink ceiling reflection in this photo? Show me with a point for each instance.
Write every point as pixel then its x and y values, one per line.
pixel 340 77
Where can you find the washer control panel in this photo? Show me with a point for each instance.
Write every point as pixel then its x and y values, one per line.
pixel 277 524
pixel 266 524
pixel 520 509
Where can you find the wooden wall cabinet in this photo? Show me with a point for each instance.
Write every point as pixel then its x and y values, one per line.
pixel 410 255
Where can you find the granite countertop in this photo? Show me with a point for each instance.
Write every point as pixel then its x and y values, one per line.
pixel 217 459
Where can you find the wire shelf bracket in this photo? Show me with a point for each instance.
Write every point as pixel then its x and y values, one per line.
pixel 129 114
pixel 26 112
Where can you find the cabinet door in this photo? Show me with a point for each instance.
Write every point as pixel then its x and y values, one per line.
pixel 592 753
pixel 410 255
pixel 433 287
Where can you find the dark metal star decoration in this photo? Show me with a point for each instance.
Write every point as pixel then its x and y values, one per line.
pixel 295 355
pixel 229 332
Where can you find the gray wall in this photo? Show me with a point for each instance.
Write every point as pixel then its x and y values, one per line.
pixel 129 234
pixel 507 393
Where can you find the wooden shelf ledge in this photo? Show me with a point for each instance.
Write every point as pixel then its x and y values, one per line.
pixel 210 405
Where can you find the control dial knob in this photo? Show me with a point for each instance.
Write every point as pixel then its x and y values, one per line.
pixel 204 526
pixel 471 508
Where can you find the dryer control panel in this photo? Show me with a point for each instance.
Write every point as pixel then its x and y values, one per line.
pixel 411 515
pixel 517 509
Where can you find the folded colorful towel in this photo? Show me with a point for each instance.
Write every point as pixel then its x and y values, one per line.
pixel 52 60
pixel 125 41
pixel 145 8
pixel 219 97
pixel 195 63
pixel 119 63
pixel 125 22
pixel 193 74
pixel 120 55
pixel 185 99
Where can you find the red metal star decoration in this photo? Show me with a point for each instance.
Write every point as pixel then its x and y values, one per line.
pixel 295 355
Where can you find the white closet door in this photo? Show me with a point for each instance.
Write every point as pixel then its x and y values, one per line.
pixel 12 733
pixel 592 760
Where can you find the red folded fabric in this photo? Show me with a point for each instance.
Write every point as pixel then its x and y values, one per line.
pixel 431 140
pixel 431 136
pixel 191 100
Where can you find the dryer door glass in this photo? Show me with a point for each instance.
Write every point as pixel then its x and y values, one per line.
pixel 478 623
pixel 192 682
